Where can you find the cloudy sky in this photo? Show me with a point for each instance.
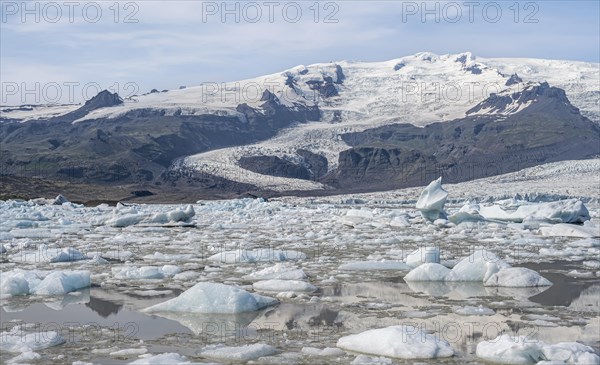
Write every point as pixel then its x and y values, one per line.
pixel 165 44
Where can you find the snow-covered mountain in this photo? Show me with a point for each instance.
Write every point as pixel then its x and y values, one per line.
pixel 309 109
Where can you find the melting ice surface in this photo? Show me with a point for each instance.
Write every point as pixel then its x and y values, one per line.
pixel 366 280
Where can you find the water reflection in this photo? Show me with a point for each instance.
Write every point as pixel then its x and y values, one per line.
pixel 103 307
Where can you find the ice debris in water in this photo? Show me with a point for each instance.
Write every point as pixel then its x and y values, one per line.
pixel 23 282
pixel 432 200
pixel 507 349
pixel 257 255
pixel 124 216
pixel 16 340
pixel 481 266
pixel 238 353
pixel 214 298
pixel 402 342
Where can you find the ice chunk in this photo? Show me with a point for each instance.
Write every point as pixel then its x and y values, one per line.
pixel 562 211
pixel 374 265
pixel 328 351
pixel 423 255
pixel 257 255
pixel 275 285
pixel 402 342
pixel 468 213
pixel 432 200
pixel 368 360
pixel 280 271
pixel 517 277
pixel 63 282
pixel 238 353
pixel 214 298
pixel 570 230
pixel 479 266
pixel 428 272
pixel 47 254
pixel 507 349
pixel 14 341
pixel 145 272
pixel 161 359
pixel 571 353
pixel 474 311
pixel 19 282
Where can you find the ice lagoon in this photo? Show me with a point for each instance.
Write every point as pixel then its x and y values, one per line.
pixel 366 279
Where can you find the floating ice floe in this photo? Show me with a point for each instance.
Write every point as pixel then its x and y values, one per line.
pixel 474 311
pixel 275 285
pixel 562 211
pixel 402 342
pixel 356 216
pixel 432 200
pixel 507 349
pixel 48 254
pixel 59 200
pixel 327 351
pixel 123 216
pixel 145 272
pixel 481 266
pixel 16 341
pixel 23 282
pixel 517 277
pixel 257 255
pixel 279 271
pixel 161 359
pixel 238 353
pixel 375 266
pixel 570 230
pixel 213 298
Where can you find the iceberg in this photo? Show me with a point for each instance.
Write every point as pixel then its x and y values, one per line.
pixel 401 342
pixel 507 349
pixel 432 200
pixel 213 298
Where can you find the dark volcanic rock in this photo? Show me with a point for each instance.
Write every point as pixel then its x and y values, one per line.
pixel 274 166
pixel 549 129
pixel 138 146
pixel 513 79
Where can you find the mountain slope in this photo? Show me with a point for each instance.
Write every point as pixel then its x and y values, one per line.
pixel 316 127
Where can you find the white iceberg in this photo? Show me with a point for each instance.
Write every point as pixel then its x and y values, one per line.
pixel 479 266
pixel 482 266
pixel 517 277
pixel 238 353
pixel 432 200
pixel 571 230
pixel 279 271
pixel 14 341
pixel 214 298
pixel 507 349
pixel 428 272
pixel 562 211
pixel 22 282
pixel 49 254
pixel 145 272
pixel 401 342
